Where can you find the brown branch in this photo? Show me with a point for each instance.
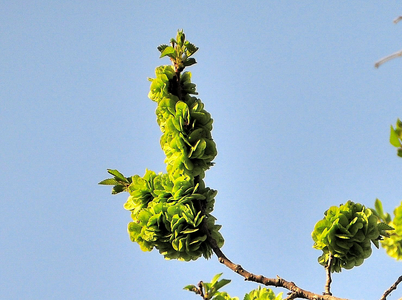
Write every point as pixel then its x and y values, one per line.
pixel 327 289
pixel 201 290
pixel 387 58
pixel 393 55
pixel 393 287
pixel 295 291
pixel 398 19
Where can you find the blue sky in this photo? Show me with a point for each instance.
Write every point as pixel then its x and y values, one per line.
pixel 301 123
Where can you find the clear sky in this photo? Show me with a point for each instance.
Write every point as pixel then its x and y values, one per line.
pixel 301 122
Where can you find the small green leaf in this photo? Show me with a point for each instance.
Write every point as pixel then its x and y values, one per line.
pixel 168 51
pixel 162 47
pixel 216 277
pixel 221 283
pixel 191 48
pixel 393 138
pixel 189 230
pixel 378 207
pixel 385 217
pixel 191 288
pixel 189 62
pixel 181 37
pixel 118 175
pixel 383 226
pixel 109 181
pixel 398 123
pixel 118 189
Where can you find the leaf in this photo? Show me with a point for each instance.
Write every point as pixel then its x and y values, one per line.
pixel 380 212
pixel 378 207
pixel 168 51
pixel 181 37
pixel 189 230
pixel 199 239
pixel 216 277
pixel 383 226
pixel 393 138
pixel 118 189
pixel 221 283
pixel 191 288
pixel 189 62
pixel 398 123
pixel 109 181
pixel 118 175
pixel 162 47
pixel 191 48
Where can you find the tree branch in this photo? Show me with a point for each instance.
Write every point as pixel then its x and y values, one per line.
pixel 327 290
pixel 295 291
pixel 387 58
pixel 392 56
pixel 393 287
pixel 398 19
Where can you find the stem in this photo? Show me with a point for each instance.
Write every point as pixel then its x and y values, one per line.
pixel 398 19
pixel 327 290
pixel 295 291
pixel 393 287
pixel 175 87
pixel 387 58
pixel 201 290
pixel 392 56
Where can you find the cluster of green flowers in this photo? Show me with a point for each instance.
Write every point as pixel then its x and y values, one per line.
pixel 345 235
pixel 172 212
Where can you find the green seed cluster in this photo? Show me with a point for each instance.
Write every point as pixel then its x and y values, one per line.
pixel 186 127
pixel 393 244
pixel 172 211
pixel 346 233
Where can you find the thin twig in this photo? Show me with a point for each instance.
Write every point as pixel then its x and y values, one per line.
pixel 387 58
pixel 199 290
pixel 327 289
pixel 393 287
pixel 398 19
pixel 295 291
pixel 392 56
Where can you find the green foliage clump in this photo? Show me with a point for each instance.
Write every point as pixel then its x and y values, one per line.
pixel 172 212
pixel 186 128
pixel 345 234
pixel 393 242
pixel 396 136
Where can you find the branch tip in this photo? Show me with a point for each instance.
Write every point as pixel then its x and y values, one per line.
pixel 398 19
pixel 387 58
pixel 392 287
